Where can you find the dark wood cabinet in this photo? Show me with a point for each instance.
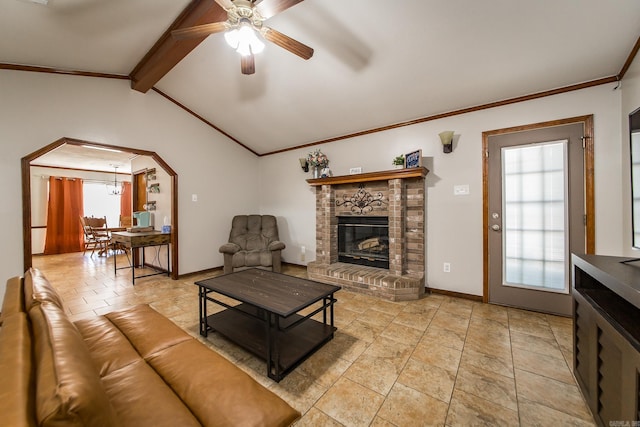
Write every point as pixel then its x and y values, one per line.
pixel 606 339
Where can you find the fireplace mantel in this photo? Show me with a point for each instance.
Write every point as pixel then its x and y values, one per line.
pixel 420 172
pixel 397 194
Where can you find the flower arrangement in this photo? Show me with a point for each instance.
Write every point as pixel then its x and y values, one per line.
pixel 317 158
pixel 398 160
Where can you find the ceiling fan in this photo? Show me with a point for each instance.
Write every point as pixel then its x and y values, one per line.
pixel 243 25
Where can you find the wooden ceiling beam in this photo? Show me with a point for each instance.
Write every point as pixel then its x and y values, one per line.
pixel 167 52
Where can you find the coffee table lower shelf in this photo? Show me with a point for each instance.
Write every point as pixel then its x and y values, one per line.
pixel 242 326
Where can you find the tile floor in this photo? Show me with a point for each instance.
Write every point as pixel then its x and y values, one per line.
pixel 436 361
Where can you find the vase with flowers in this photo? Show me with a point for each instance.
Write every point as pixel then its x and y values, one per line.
pixel 317 161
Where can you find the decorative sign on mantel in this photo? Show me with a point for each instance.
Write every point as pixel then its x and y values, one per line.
pixel 413 159
pixel 362 201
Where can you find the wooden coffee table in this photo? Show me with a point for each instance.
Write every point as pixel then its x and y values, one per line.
pixel 266 321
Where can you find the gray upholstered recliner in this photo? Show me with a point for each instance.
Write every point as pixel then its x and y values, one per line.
pixel 253 242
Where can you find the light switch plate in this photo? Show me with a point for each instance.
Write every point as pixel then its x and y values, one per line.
pixel 461 190
pixel 353 171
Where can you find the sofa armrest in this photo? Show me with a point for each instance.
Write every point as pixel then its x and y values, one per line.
pixel 229 248
pixel 276 246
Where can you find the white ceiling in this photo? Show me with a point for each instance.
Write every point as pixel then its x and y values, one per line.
pixel 376 62
pixel 69 156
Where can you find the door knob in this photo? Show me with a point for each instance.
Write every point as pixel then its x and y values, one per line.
pixel 495 227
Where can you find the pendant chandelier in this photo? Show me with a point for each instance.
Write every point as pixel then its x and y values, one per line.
pixel 117 188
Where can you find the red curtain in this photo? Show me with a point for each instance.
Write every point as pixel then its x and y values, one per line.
pixel 64 233
pixel 125 200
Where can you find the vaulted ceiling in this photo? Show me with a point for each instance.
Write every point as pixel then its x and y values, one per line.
pixel 376 63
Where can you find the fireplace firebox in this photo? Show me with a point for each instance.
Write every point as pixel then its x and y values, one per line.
pixel 364 240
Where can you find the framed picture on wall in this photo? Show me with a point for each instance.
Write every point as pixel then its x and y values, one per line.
pixel 413 159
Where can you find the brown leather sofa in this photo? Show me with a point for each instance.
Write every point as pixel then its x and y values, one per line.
pixel 132 367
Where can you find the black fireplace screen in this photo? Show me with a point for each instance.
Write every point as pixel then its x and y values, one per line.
pixel 364 240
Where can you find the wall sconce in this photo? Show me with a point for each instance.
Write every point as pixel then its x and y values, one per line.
pixel 304 165
pixel 447 141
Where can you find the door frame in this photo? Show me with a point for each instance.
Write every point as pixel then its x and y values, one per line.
pixel 589 200
pixel 26 195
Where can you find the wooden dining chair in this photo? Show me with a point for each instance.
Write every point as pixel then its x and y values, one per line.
pixel 94 237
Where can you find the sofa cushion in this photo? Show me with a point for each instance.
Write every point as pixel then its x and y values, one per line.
pixel 37 289
pixel 109 348
pixel 68 389
pixel 148 331
pixel 13 298
pixel 141 398
pixel 16 387
pixel 232 397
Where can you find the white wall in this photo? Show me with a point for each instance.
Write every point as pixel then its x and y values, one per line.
pixel 37 109
pixel 454 223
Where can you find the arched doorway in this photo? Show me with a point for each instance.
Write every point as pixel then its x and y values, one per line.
pixel 26 195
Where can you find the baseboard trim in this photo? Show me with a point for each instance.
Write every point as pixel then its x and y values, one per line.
pixel 193 273
pixel 476 298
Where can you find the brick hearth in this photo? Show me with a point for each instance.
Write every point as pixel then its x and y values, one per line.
pixel 398 194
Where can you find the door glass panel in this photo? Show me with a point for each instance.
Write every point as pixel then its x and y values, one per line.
pixel 534 216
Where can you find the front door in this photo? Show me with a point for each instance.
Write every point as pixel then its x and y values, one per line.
pixel 536 216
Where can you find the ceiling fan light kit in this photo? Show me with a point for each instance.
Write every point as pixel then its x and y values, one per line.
pixel 243 24
pixel 244 40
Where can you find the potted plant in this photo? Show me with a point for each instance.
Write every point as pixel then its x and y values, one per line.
pixel 398 162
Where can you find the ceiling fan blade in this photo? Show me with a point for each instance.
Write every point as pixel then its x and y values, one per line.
pixel 269 8
pixel 248 64
pixel 199 30
pixel 225 4
pixel 286 42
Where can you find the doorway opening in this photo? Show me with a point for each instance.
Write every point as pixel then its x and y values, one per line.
pixel 26 195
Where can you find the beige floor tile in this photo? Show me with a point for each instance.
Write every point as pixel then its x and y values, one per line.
pixel 445 337
pixel 402 334
pixel 546 346
pixel 489 323
pixel 470 410
pixel 499 364
pixel 419 321
pixel 379 422
pixel 551 393
pixel 299 391
pixel 379 366
pixel 340 401
pixel 490 386
pixel 345 346
pixel 364 331
pixel 532 316
pixel 405 406
pixel 453 322
pixel 431 353
pixel 428 379
pixel 375 317
pixel 324 367
pixel 532 328
pixel 457 306
pixel 315 418
pixel 542 364
pixel 490 311
pixel 535 414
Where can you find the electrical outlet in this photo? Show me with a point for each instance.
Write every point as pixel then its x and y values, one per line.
pixel 446 267
pixel 194 197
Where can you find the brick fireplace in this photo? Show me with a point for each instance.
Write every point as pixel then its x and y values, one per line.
pixel 398 195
